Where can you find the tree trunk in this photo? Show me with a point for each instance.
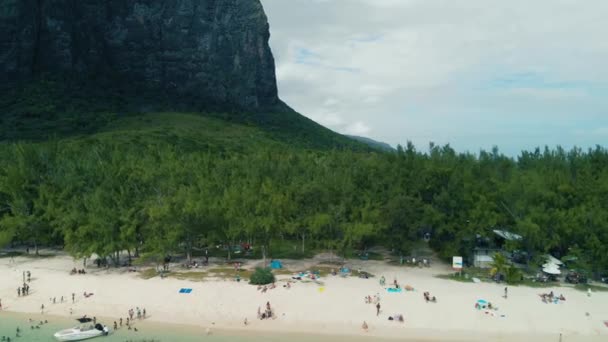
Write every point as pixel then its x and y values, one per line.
pixel 36 248
pixel 264 255
pixel 303 238
pixel 129 254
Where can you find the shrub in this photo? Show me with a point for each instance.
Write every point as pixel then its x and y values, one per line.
pixel 513 275
pixel 262 276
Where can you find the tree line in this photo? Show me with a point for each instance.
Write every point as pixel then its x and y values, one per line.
pixel 105 197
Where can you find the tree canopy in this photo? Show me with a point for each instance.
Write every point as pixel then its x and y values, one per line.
pixel 104 196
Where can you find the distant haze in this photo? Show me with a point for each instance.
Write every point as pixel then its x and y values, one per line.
pixel 476 73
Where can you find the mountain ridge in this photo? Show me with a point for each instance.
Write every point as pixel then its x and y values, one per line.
pixel 73 67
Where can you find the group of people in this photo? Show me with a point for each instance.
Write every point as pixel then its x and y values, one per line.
pixel 488 306
pixel 375 300
pixel 23 290
pixel 131 315
pixel 550 297
pixel 141 313
pixel 268 312
pixel 396 317
pixel 195 264
pixel 32 327
pixel 428 298
pixel 265 288
pixel 308 274
pixel 75 271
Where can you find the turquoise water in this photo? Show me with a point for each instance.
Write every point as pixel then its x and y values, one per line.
pixel 148 331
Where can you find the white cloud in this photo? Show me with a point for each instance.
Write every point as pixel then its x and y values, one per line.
pixel 357 128
pixel 423 69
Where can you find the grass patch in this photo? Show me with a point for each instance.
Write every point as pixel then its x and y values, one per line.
pixel 467 275
pixel 148 273
pixel 191 276
pixel 537 284
pixel 11 254
pixel 282 271
pixel 594 288
pixel 455 277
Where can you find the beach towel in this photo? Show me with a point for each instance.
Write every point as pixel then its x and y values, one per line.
pixel 391 289
pixel 321 289
pixel 184 290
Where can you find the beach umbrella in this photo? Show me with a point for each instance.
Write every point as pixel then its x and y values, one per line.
pixel 550 265
pixel 553 260
pixel 552 270
pixel 482 301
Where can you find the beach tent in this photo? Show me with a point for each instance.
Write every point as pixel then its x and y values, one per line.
pixel 276 264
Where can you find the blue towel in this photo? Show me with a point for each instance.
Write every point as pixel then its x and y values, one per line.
pixel 390 289
pixel 185 290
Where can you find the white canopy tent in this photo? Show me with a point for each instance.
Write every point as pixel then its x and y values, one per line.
pixel 553 270
pixel 553 260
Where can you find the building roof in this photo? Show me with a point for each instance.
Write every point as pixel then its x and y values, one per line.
pixel 507 235
pixel 484 258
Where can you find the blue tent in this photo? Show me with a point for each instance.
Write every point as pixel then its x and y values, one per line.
pixel 276 264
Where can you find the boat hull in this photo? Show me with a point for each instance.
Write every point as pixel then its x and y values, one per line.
pixel 77 335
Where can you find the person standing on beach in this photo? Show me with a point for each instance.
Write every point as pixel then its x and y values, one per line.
pixel 0 304
pixel 378 309
pixel 73 296
pixel 19 291
pixel 505 293
pixel 42 309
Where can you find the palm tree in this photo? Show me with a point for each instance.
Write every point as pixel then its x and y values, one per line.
pixel 500 264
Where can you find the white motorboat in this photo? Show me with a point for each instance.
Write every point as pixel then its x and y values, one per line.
pixel 83 331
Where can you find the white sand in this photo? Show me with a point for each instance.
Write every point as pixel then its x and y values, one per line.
pixel 339 309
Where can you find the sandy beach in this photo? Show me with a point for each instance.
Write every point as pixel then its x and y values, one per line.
pixel 336 307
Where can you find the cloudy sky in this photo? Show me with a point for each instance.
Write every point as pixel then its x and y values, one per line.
pixel 473 73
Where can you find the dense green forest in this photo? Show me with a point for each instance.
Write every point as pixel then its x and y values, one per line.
pixel 158 188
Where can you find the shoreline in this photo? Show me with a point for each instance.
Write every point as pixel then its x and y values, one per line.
pixel 332 311
pixel 149 329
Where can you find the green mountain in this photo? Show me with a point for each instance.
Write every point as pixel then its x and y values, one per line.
pixel 378 145
pixel 76 68
pixel 50 109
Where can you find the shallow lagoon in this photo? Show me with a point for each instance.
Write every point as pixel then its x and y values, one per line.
pixel 148 331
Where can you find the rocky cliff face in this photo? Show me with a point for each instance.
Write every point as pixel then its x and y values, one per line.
pixel 205 52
